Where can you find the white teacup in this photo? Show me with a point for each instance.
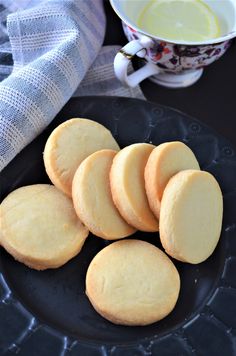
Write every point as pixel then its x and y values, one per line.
pixel 172 64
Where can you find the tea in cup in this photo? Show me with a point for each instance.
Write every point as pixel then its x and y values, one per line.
pixel 176 38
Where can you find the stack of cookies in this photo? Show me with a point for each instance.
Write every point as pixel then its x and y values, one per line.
pixel 112 193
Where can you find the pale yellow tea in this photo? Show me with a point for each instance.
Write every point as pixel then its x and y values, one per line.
pixel 181 20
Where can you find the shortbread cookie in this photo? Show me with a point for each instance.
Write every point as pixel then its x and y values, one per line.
pixel 132 282
pixel 39 227
pixel 191 216
pixel 92 197
pixel 128 187
pixel 69 144
pixel 165 161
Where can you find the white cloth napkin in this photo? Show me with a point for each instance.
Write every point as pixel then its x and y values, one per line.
pixel 57 52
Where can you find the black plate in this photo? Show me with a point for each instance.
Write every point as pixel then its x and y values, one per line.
pixel 47 313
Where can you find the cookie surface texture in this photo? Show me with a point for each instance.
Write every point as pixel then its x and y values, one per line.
pixel 69 144
pixel 39 226
pixel 191 216
pixel 128 186
pixel 165 161
pixel 92 197
pixel 132 282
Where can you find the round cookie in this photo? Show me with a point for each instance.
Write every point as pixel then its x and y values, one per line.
pixel 92 197
pixel 69 144
pixel 128 187
pixel 39 227
pixel 165 161
pixel 132 282
pixel 191 216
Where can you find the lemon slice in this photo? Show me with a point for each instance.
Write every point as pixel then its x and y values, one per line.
pixel 182 20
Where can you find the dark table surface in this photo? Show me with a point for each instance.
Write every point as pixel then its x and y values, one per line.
pixel 212 99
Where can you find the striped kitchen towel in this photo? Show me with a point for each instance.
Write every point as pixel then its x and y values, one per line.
pixel 53 45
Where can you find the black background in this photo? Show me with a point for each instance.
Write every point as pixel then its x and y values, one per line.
pixel 212 99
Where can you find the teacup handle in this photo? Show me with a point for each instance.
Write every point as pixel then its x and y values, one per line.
pixel 124 56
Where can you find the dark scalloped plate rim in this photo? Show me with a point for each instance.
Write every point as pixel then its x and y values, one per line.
pixel 85 341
